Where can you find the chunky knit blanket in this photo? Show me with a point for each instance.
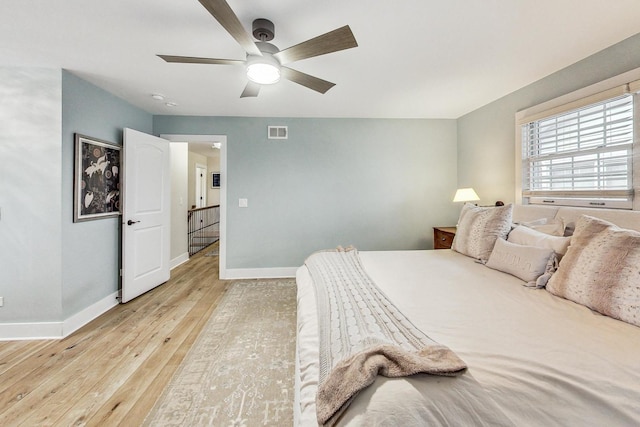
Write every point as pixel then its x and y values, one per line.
pixel 362 335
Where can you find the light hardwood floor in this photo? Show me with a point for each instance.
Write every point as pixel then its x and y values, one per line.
pixel 111 371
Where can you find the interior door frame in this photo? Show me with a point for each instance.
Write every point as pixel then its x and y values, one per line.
pixel 222 139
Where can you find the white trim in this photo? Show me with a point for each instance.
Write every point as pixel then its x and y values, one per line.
pixel 222 246
pixel 30 331
pixel 260 273
pixel 85 316
pixel 179 260
pixel 578 94
pixel 584 203
pixel 57 330
pixel 576 104
pixel 518 159
pixel 222 139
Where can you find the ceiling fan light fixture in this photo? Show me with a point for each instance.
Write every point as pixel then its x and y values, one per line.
pixel 264 70
pixel 264 60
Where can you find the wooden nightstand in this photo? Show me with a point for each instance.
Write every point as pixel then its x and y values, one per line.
pixel 443 237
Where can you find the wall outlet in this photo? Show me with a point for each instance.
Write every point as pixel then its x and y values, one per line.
pixel 243 203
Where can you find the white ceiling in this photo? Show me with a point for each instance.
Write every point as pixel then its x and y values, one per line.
pixel 415 59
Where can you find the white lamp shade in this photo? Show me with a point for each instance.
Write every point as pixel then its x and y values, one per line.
pixel 465 195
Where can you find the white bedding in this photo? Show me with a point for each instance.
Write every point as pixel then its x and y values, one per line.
pixel 534 359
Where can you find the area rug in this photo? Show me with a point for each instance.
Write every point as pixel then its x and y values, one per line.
pixel 240 370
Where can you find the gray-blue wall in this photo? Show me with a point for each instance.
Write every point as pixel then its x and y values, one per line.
pixel 90 249
pixel 375 184
pixel 30 232
pixel 486 136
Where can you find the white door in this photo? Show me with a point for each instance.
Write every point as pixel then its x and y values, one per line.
pixel 146 215
pixel 201 186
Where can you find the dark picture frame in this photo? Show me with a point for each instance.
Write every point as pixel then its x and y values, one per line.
pixel 215 179
pixel 96 183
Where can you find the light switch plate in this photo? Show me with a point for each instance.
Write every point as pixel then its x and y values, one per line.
pixel 243 203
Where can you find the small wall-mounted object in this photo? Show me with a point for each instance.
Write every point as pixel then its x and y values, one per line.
pixel 277 132
pixel 215 180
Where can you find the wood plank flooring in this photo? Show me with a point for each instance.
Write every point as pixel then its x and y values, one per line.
pixel 111 371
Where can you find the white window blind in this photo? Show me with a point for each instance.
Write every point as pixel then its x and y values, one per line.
pixel 584 154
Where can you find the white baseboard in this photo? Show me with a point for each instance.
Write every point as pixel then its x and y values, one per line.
pixel 180 259
pixel 258 273
pixel 30 331
pixel 56 330
pixel 80 319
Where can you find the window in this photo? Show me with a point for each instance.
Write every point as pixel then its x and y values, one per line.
pixel 581 155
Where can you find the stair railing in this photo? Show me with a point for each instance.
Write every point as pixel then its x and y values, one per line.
pixel 203 227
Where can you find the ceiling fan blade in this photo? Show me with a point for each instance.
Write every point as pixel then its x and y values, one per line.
pixel 333 41
pixel 196 60
pixel 223 13
pixel 306 80
pixel 250 90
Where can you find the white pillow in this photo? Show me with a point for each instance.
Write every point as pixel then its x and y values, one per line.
pixel 554 227
pixel 523 235
pixel 479 227
pixel 532 264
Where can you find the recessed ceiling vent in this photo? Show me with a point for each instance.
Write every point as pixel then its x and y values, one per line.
pixel 278 132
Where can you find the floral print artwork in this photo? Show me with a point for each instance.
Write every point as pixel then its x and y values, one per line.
pixel 97 179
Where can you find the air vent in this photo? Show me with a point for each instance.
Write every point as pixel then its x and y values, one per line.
pixel 278 132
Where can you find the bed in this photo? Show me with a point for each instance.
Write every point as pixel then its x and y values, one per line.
pixel 533 358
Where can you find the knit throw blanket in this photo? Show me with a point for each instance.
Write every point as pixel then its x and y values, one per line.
pixel 362 335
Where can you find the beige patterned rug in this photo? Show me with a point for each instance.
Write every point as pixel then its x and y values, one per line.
pixel 240 370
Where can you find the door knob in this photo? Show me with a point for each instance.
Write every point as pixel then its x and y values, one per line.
pixel 130 222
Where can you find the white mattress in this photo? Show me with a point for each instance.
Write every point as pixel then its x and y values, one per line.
pixel 534 359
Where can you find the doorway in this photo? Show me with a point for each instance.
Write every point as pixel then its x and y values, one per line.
pixel 182 143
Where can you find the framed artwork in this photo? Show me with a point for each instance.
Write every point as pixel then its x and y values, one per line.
pixel 215 180
pixel 96 183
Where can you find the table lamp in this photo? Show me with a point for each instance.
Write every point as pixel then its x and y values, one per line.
pixel 465 195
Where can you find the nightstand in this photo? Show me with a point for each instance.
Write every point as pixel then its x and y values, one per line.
pixel 443 237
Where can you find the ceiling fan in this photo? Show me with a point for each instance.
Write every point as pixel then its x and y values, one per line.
pixel 265 62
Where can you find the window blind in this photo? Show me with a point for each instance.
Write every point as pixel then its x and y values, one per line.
pixel 582 153
pixel 586 101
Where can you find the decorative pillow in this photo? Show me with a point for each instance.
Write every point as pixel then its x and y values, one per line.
pixel 554 227
pixel 529 263
pixel 601 270
pixel 479 227
pixel 535 222
pixel 523 235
